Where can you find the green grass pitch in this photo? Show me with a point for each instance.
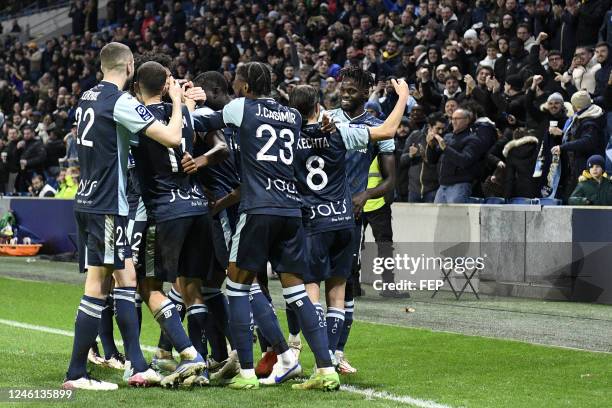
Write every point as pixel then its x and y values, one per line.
pixel 397 365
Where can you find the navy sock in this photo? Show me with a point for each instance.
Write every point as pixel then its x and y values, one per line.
pixel 349 307
pixel 298 300
pixel 85 331
pixel 197 315
pixel 218 308
pixel 168 318
pixel 127 320
pixel 240 322
pixel 335 323
pixel 139 311
pixel 266 321
pixel 292 321
pixel 164 342
pixel 106 329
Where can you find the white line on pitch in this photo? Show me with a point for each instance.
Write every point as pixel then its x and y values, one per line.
pixel 370 393
pixel 367 392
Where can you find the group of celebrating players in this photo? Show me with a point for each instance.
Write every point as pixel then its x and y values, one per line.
pixel 206 190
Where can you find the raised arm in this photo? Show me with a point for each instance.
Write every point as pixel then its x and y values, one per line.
pixel 389 127
pixel 170 135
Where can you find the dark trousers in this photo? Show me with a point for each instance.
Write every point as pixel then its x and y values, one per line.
pixel 380 221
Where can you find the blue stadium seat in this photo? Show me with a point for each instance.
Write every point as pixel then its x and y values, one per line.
pixel 495 200
pixel 521 200
pixel 475 200
pixel 547 201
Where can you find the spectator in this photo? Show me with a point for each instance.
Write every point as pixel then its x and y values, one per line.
pixel 78 18
pixel 457 155
pixel 4 170
pixel 38 188
pixel 55 150
pixel 583 138
pixel 521 154
pixel 32 156
pixel 602 56
pixel 12 159
pixel 594 187
pixel 422 176
pixel 585 67
pixel 68 182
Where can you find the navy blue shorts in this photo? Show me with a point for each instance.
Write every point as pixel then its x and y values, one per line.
pixel 180 247
pixel 356 246
pixel 136 230
pixel 102 240
pixel 330 255
pixel 223 228
pixel 260 238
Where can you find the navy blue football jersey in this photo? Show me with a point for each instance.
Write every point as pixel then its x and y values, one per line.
pixel 221 178
pixel 321 175
pixel 358 161
pixel 107 119
pixel 167 191
pixel 269 133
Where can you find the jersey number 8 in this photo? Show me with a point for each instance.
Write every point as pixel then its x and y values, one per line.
pixel 262 154
pixel 89 118
pixel 316 171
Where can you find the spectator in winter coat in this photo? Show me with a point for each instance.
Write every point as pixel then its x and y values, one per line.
pixel 521 154
pixel 422 176
pixel 31 159
pixel 583 138
pixel 594 187
pixel 458 156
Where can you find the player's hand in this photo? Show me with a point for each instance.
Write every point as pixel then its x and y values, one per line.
pixel 195 93
pixel 189 164
pixel 401 87
pixel 175 92
pixel 359 201
pixel 327 125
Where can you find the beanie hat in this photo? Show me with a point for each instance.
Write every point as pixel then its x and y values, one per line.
pixel 375 106
pixel 581 100
pixel 471 33
pixel 596 159
pixel 555 97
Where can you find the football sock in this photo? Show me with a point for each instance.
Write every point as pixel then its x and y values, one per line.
pixel 298 300
pixel 139 311
pixel 197 315
pixel 106 329
pixel 335 323
pixel 240 323
pixel 168 318
pixel 164 342
pixel 217 325
pixel 127 320
pixel 349 307
pixel 266 321
pixel 85 331
pixel 292 321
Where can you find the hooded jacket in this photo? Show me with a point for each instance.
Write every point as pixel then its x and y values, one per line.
pixel 590 192
pixel 521 155
pixel 584 77
pixel 585 138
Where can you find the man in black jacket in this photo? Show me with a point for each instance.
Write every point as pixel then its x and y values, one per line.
pixel 32 158
pixel 422 176
pixel 458 155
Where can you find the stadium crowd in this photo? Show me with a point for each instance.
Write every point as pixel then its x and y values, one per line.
pixel 508 99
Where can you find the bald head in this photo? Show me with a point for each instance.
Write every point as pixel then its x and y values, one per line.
pixel 116 57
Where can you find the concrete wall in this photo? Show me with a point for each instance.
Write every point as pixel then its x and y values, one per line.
pixel 560 253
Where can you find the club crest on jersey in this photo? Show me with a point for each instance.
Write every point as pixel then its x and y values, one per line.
pixel 143 112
